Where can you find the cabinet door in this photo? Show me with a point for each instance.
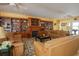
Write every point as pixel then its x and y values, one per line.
pixel 42 24
pixel 46 25
pixel 49 25
pixel 16 25
pixel 35 22
pixel 24 25
pixel 6 23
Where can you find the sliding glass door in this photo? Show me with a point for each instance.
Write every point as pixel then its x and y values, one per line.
pixel 74 28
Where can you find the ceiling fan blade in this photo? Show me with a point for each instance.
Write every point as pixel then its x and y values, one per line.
pixel 4 3
pixel 20 6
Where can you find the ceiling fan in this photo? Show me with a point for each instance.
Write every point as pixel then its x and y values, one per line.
pixel 17 5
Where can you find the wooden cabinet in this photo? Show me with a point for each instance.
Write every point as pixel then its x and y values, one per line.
pixel 35 22
pixel 20 25
pixel 46 24
pixel 14 24
pixel 6 23
pixel 24 25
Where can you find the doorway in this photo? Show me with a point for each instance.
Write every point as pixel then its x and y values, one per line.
pixel 74 28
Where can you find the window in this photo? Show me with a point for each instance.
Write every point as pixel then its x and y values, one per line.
pixel 75 28
pixel 75 25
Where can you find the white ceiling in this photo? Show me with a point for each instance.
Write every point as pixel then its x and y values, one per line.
pixel 48 10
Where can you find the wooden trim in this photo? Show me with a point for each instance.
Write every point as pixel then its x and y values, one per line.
pixel 46 21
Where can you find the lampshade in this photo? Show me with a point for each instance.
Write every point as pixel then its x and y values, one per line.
pixel 2 33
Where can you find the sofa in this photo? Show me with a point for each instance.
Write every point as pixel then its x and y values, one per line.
pixel 17 43
pixel 58 33
pixel 65 46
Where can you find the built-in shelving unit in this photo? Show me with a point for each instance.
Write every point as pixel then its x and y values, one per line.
pixel 14 24
pixel 47 25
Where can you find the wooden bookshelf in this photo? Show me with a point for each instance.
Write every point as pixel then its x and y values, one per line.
pixel 25 25
pixel 46 24
pixel 14 24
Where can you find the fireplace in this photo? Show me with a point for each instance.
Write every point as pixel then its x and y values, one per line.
pixel 34 33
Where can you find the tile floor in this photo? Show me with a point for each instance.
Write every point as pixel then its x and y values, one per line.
pixel 28 47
